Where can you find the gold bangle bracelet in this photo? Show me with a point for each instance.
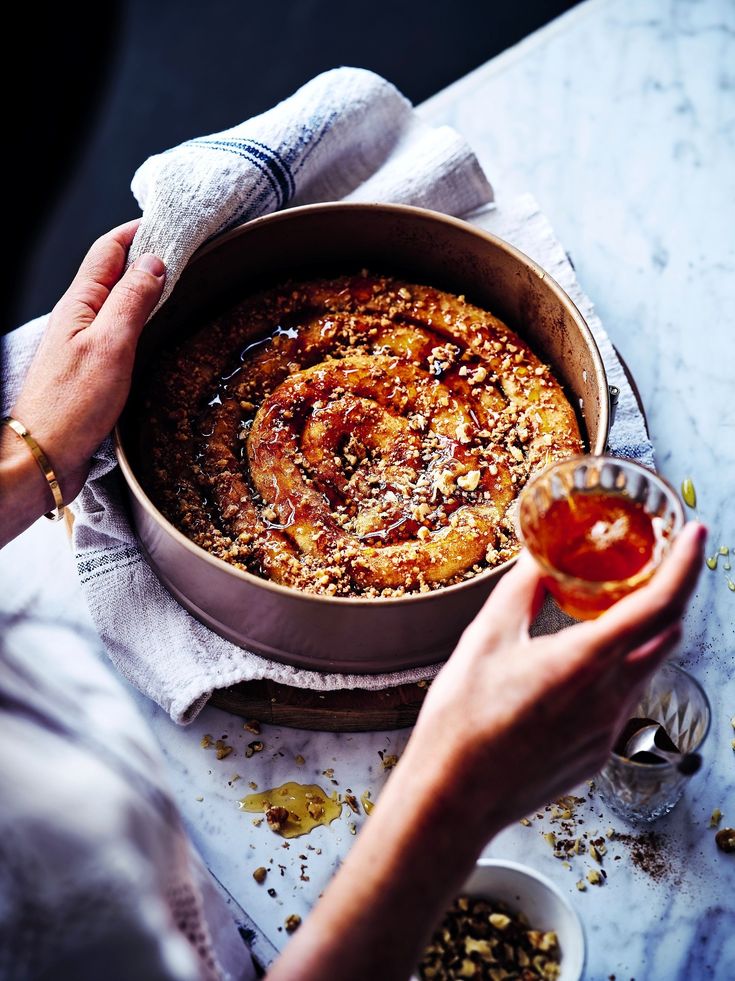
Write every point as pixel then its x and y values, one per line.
pixel 43 464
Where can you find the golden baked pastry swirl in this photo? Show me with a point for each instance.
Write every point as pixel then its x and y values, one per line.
pixel 358 435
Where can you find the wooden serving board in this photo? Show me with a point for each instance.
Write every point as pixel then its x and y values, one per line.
pixel 343 710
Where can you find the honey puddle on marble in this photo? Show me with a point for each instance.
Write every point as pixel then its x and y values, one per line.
pixel 307 804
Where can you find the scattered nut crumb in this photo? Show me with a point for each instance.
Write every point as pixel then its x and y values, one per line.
pixel 725 839
pixel 299 760
pixel 292 922
pixel 469 481
pixel 252 725
pixel 276 817
pixel 315 809
pixel 255 747
pixel 259 874
pixel 594 878
pixel 715 818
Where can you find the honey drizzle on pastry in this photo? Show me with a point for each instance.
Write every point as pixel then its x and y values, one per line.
pixel 354 436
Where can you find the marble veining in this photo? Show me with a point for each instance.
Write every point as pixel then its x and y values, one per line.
pixel 620 119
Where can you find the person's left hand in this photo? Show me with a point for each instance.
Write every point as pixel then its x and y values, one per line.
pixel 80 377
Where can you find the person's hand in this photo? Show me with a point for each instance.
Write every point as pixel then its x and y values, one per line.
pixel 80 377
pixel 509 724
pixel 532 717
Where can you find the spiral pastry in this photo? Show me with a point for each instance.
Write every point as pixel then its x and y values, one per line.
pixel 353 436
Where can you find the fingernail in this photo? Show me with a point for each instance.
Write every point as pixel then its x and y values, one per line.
pixel 151 264
pixel 702 532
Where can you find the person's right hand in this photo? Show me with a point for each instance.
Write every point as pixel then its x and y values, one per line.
pixel 509 724
pixel 531 717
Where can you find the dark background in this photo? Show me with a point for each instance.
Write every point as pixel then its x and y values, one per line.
pixel 115 82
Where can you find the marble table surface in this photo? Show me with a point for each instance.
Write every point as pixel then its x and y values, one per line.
pixel 620 118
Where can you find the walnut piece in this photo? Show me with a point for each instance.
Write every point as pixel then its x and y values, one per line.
pixel 276 817
pixel 292 922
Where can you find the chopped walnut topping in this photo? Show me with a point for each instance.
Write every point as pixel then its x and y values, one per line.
pixel 516 453
pixel 469 481
pixel 255 747
pixel 449 401
pixel 463 432
pixel 315 808
pixel 252 725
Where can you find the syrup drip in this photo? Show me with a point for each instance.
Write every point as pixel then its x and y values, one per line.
pixel 308 806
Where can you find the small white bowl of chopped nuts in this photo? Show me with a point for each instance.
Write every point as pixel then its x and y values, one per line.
pixel 508 922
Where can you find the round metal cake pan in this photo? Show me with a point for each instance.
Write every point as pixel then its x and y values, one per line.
pixel 359 635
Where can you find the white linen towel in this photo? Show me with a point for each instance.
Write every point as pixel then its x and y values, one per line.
pixel 350 135
pixel 346 135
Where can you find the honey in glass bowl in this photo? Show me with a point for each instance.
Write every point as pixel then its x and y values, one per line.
pixel 599 527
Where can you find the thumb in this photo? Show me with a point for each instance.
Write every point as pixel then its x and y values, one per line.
pixel 131 301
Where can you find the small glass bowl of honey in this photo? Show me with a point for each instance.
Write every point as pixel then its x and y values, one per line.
pixel 599 527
